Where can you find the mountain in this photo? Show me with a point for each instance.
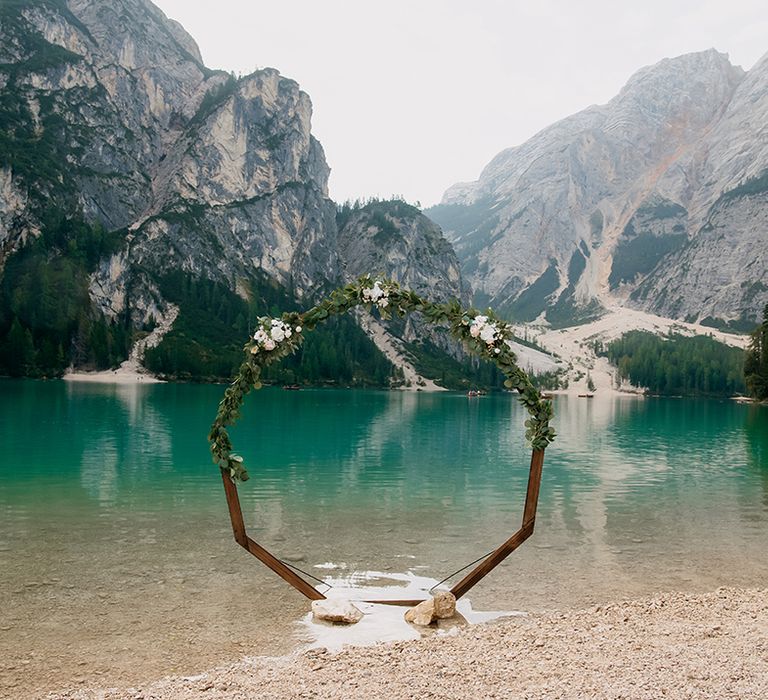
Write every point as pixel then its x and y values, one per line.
pixel 657 200
pixel 135 182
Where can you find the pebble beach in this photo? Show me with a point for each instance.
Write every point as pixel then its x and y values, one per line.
pixel 676 645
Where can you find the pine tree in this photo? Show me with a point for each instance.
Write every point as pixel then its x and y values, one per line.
pixel 756 361
pixel 20 350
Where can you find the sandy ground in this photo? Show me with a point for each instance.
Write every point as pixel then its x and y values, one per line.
pixel 131 371
pixel 572 345
pixel 709 646
pixel 127 373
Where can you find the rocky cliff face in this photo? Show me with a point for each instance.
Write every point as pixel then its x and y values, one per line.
pixel 109 117
pixel 210 174
pixel 396 240
pixel 655 200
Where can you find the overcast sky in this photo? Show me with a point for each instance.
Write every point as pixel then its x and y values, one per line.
pixel 412 96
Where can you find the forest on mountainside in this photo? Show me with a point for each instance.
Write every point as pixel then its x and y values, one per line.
pixel 677 365
pixel 756 361
pixel 47 321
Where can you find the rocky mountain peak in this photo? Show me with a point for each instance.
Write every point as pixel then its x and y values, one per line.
pixel 159 184
pixel 584 213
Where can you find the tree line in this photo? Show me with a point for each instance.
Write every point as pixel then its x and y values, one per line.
pixel 677 365
pixel 756 361
pixel 207 339
pixel 46 317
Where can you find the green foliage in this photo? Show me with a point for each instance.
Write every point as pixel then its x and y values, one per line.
pixel 338 352
pixel 215 97
pixel 44 293
pixel 743 324
pixel 205 343
pixel 550 380
pixel 266 348
pixel 754 185
pixel 567 312
pixel 661 208
pixel 395 207
pixel 639 255
pixel 461 218
pixel 387 231
pixel 596 223
pixel 756 361
pixel 678 365
pixel 433 363
pixel 31 148
pixel 576 266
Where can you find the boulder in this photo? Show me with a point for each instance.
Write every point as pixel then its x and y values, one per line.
pixel 340 612
pixel 441 607
pixel 445 605
pixel 422 614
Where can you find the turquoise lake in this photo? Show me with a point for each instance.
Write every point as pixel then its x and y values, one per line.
pixel 117 561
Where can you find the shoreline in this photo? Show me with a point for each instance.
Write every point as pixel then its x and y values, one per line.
pixel 673 644
pixel 113 376
pixel 123 376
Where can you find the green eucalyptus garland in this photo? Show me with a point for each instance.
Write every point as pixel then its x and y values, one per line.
pixel 483 334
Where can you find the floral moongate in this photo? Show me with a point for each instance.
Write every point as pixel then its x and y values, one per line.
pixel 483 335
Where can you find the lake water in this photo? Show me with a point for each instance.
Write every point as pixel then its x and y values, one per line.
pixel 117 562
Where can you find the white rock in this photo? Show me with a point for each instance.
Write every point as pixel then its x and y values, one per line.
pixel 337 611
pixel 423 614
pixel 445 605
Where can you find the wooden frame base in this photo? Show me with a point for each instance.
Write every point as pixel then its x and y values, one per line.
pixel 471 579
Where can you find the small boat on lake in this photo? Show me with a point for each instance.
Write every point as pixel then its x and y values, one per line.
pixel 291 387
pixel 586 396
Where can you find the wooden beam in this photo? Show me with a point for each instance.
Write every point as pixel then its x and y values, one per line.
pixel 263 555
pixel 283 571
pixel 492 561
pixel 235 511
pixel 534 484
pixel 470 580
pixel 529 519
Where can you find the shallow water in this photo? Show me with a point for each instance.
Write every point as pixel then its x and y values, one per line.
pixel 117 562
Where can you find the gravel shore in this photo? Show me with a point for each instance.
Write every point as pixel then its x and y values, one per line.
pixel 674 646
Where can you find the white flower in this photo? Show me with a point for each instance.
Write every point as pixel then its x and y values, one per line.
pixel 377 292
pixel 481 320
pixel 277 333
pixel 298 329
pixel 287 332
pixel 376 295
pixel 269 344
pixel 254 349
pixel 474 330
pixel 260 335
pixel 497 350
pixel 488 334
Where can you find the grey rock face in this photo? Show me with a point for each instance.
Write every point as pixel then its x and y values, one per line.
pixel 396 240
pixel 618 203
pixel 201 171
pixel 204 172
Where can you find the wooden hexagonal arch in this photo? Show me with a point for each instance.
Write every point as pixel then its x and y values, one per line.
pixel 483 334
